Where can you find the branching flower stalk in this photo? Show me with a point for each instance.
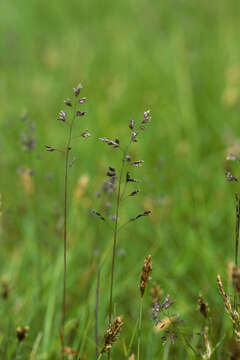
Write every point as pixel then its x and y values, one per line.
pixel 66 150
pixel 112 174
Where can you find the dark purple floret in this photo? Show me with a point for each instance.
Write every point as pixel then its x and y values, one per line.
pixel 68 102
pixel 131 124
pixel 80 113
pixel 77 89
pixel 82 100
pixel 230 177
pixel 49 148
pixel 134 193
pixel 85 134
pixel 94 212
pixel 138 163
pixel 134 135
pixel 62 116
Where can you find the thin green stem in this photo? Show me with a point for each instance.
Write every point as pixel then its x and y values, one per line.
pixel 18 350
pixel 236 242
pixel 115 242
pixel 237 228
pixel 97 310
pixel 139 329
pixel 99 357
pixel 67 152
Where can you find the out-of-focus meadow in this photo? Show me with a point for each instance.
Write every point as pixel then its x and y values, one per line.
pixel 181 59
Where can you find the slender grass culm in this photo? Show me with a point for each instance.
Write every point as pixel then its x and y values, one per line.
pixel 232 307
pixel 119 179
pixel 145 277
pixel 63 116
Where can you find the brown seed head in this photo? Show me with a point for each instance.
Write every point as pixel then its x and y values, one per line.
pixel 5 288
pixel 112 333
pixel 203 307
pixel 146 271
pixel 22 332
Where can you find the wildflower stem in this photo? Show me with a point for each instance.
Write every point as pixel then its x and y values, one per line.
pixel 67 151
pixel 139 328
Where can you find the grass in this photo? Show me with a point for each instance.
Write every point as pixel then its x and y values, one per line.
pixel 181 60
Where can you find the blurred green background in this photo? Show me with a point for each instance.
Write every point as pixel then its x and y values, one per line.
pixel 179 58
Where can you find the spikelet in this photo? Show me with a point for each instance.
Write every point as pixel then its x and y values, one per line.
pixel 112 333
pixel 145 276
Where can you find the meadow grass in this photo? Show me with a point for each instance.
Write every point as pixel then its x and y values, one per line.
pixel 181 59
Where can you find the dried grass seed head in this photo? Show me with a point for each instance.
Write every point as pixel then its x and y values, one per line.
pixel 112 333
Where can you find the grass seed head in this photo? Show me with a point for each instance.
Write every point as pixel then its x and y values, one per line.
pixel 145 276
pixel 203 307
pixel 22 332
pixel 112 333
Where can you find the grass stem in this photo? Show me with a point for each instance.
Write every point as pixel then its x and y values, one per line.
pixel 139 328
pixel 67 152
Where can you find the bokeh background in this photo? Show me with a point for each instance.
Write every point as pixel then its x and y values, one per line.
pixel 179 58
